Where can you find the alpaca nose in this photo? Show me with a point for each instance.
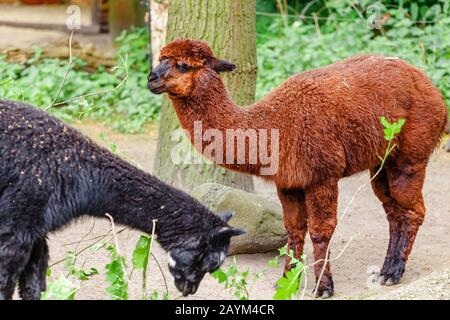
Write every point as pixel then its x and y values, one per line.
pixel 152 77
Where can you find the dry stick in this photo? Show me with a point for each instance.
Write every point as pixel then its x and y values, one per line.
pixel 94 238
pixel 102 92
pixel 69 67
pixel 116 242
pixel 79 242
pixel 359 13
pixel 284 13
pixel 305 283
pixel 100 238
pixel 162 273
pixel 83 238
pixel 317 25
pixel 305 17
pixel 144 272
pixel 327 260
pixel 307 6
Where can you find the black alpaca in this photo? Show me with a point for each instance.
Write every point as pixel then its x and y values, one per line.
pixel 51 174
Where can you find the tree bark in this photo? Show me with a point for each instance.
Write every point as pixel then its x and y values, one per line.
pixel 229 28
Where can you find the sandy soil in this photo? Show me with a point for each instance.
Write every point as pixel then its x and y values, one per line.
pixel 365 224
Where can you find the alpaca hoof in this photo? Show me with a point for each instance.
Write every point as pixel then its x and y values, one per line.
pixel 389 280
pixel 324 294
pixel 392 272
pixel 325 290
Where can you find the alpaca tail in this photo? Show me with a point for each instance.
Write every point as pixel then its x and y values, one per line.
pixel 446 124
pixel 445 129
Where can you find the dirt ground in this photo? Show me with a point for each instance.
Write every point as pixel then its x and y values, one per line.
pixel 365 224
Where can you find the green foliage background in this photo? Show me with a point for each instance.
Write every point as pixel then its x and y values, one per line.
pixel 309 34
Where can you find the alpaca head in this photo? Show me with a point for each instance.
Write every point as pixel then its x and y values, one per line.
pixel 185 67
pixel 190 263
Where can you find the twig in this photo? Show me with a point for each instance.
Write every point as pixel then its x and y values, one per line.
pixel 116 242
pixel 82 239
pixel 75 256
pixel 102 92
pixel 162 273
pixel 144 271
pixel 317 25
pixel 100 238
pixel 69 67
pixel 94 238
pixel 284 13
pixel 305 283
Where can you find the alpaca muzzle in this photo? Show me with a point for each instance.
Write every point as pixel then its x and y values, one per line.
pixel 186 287
pixel 154 84
pixel 155 78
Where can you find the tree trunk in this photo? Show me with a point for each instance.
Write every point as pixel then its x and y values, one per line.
pixel 229 28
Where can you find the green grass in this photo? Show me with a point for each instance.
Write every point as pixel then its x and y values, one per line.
pixel 127 109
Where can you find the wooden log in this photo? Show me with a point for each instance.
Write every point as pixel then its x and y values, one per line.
pixel 87 53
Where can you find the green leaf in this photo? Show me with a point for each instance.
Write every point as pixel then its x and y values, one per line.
pixel 273 263
pixel 79 274
pixel 220 275
pixel 391 129
pixel 118 286
pixel 289 284
pixel 141 252
pixel 154 295
pixel 60 289
pixel 283 251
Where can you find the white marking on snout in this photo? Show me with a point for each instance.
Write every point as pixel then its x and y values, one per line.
pixel 172 262
pixel 222 257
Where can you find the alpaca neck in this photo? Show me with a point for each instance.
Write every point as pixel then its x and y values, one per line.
pixel 138 199
pixel 212 113
pixel 212 106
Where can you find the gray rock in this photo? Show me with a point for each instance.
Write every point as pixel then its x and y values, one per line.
pixel 447 146
pixel 260 217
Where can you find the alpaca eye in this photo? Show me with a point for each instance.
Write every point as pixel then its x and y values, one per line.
pixel 183 67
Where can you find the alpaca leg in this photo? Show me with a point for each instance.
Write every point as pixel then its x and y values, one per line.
pixel 294 216
pixel 321 204
pixel 405 186
pixel 400 190
pixel 32 280
pixel 14 254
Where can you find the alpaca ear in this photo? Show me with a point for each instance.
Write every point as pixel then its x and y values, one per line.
pixel 230 232
pixel 221 65
pixel 226 215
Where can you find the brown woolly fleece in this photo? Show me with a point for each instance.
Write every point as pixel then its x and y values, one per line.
pixel 329 128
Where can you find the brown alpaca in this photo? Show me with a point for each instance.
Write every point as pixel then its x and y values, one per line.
pixel 329 128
